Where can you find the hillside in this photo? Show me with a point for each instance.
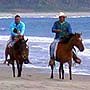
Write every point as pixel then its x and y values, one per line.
pixel 44 5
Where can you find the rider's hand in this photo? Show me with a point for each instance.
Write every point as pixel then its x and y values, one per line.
pixel 21 37
pixel 58 30
pixel 16 39
pixel 18 32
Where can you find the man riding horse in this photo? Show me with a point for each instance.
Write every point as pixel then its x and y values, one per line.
pixel 17 32
pixel 62 29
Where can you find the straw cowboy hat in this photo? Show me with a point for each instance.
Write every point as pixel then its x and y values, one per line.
pixel 62 14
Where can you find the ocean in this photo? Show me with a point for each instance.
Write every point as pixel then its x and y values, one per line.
pixel 39 33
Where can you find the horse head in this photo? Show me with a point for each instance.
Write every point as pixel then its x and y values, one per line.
pixel 66 38
pixel 25 49
pixel 22 47
pixel 77 41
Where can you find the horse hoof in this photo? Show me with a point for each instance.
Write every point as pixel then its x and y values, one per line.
pixel 19 76
pixel 59 77
pixel 14 76
pixel 51 77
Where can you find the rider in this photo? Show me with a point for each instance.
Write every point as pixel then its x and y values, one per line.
pixel 61 28
pixel 17 29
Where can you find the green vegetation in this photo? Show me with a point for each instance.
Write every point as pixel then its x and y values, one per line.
pixel 44 5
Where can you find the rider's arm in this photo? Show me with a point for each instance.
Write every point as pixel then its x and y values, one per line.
pixel 22 29
pixel 55 29
pixel 69 28
pixel 12 27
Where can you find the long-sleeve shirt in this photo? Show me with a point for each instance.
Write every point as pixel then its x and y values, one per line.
pixel 65 27
pixel 20 27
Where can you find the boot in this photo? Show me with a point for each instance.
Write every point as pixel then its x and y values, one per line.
pixel 52 62
pixel 27 61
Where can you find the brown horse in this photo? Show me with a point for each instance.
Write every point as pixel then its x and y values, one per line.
pixel 19 53
pixel 64 52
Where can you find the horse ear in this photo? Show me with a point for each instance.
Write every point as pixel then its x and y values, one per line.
pixel 80 33
pixel 26 40
pixel 75 33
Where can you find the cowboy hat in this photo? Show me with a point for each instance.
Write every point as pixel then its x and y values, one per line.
pixel 62 14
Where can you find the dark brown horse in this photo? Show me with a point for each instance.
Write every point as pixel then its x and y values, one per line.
pixel 64 52
pixel 19 53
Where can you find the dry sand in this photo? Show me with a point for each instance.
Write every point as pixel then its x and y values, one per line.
pixel 34 79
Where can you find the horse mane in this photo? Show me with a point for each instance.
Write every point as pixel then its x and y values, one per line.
pixel 17 45
pixel 66 38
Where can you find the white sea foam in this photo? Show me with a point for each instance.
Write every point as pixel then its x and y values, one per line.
pixel 44 15
pixel 42 43
pixel 74 71
pixel 78 16
pixel 33 66
pixel 38 39
pixel 31 39
pixel 7 17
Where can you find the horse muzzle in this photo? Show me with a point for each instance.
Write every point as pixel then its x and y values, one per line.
pixel 24 55
pixel 81 49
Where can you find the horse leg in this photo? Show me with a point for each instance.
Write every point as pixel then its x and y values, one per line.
pixel 13 68
pixel 52 71
pixel 70 64
pixel 6 55
pixel 60 67
pixel 20 69
pixel 62 72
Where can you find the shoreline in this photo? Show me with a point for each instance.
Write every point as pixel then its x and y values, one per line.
pixel 47 70
pixel 43 14
pixel 33 79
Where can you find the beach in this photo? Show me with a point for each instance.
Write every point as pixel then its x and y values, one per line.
pixel 35 79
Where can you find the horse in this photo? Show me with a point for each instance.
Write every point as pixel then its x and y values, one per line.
pixel 19 53
pixel 64 53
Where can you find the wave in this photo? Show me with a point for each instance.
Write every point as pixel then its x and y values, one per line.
pixel 43 16
pixel 49 40
pixel 79 16
pixel 74 71
pixel 40 45
pixel 6 17
pixel 37 39
pixel 31 39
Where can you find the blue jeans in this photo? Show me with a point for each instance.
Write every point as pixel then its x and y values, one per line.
pixel 53 48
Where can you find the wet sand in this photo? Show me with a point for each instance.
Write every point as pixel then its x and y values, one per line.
pixel 36 79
